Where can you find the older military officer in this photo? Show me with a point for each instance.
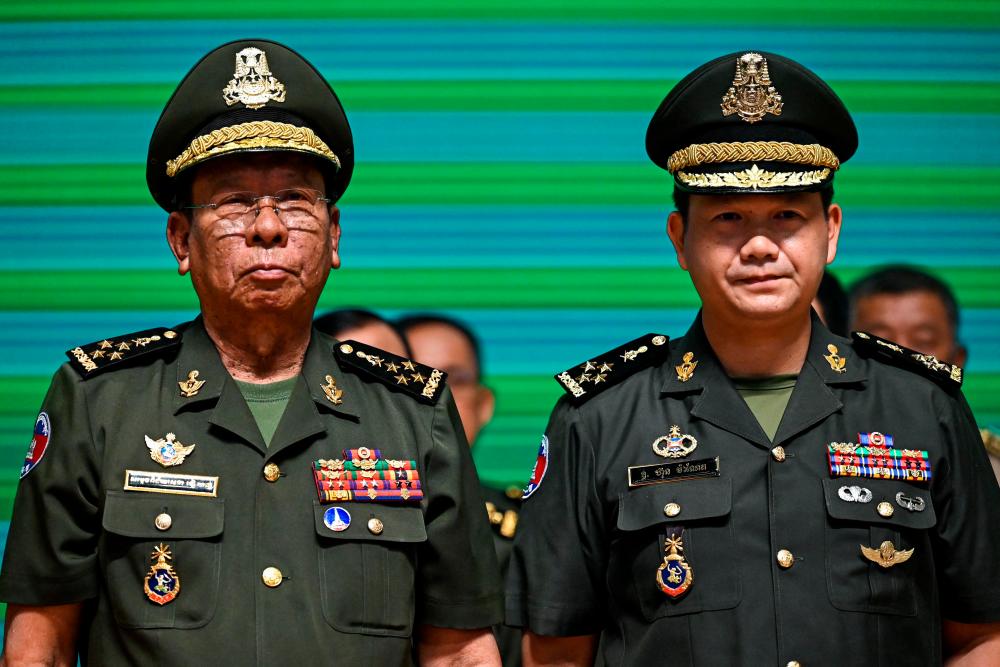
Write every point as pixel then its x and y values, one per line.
pixel 240 487
pixel 759 491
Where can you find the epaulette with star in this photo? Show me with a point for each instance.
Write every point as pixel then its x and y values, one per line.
pixel 595 375
pixel 94 358
pixel 948 376
pixel 421 382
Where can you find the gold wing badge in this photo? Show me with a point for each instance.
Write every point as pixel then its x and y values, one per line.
pixel 168 451
pixel 886 555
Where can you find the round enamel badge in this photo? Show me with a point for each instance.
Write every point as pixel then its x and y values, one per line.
pixel 39 443
pixel 541 466
pixel 337 519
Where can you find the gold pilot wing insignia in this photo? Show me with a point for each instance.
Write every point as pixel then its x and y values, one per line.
pixel 751 96
pixel 886 555
pixel 252 82
pixel 168 451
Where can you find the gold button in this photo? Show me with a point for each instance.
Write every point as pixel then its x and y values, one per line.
pixel 170 334
pixel 346 349
pixel 659 340
pixel 785 558
pixel 793 663
pixel 271 577
pixel 163 521
pixel 672 509
pixel 885 509
pixel 375 526
pixel 778 453
pixel 272 472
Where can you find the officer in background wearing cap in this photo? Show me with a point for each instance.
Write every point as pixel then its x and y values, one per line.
pixel 240 488
pixel 759 491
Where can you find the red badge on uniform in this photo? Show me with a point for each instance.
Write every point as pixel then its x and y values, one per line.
pixel 541 466
pixel 39 443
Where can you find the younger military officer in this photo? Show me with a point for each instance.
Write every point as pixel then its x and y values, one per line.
pixel 240 488
pixel 760 491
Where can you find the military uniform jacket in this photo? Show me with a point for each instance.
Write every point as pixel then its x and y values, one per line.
pixel 352 596
pixel 588 546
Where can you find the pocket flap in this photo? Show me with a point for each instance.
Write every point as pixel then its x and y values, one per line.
pixel 694 500
pixel 395 523
pixel 846 499
pixel 135 515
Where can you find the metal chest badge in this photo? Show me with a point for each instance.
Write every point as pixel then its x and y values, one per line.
pixel 751 96
pixel 675 444
pixel 161 583
pixel 252 82
pixel 674 576
pixel 168 451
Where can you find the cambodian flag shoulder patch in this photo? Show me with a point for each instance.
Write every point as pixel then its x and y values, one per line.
pixel 541 467
pixel 39 443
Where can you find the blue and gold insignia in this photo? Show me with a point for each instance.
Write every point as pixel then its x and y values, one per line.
pixel 675 444
pixel 94 358
pixel 161 584
pixel 421 382
pixel 869 345
pixel 168 451
pixel 337 519
pixel 674 576
pixel 584 381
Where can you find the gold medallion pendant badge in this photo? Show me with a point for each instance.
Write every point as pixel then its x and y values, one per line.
pixel 675 444
pixel 751 96
pixel 674 576
pixel 161 584
pixel 168 451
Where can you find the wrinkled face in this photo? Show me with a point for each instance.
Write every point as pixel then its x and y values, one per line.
pixel 267 262
pixel 918 320
pixel 447 349
pixel 756 257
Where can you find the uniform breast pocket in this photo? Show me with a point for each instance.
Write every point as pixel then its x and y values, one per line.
pixel 367 568
pixel 885 515
pixel 134 526
pixel 702 508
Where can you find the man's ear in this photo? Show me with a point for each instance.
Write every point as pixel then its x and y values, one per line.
pixel 834 221
pixel 334 236
pixel 675 230
pixel 179 238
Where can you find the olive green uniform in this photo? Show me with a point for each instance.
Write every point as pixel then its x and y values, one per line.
pixel 351 597
pixel 589 546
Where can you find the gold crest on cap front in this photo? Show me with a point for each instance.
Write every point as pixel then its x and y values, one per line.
pixel 252 82
pixel 751 96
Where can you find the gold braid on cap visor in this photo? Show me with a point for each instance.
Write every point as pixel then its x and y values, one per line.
pixel 250 136
pixel 752 151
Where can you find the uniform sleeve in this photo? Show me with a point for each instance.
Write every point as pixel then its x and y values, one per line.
pixel 555 583
pixel 458 580
pixel 51 552
pixel 967 540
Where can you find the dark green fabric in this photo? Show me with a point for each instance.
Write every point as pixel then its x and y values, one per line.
pixel 350 597
pixel 267 403
pixel 588 546
pixel 767 399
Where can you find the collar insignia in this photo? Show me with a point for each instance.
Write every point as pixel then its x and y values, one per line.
pixel 191 386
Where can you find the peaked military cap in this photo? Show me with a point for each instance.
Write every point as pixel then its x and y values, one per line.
pixel 584 381
pixel 401 374
pixel 751 122
pixel 251 95
pixel 869 345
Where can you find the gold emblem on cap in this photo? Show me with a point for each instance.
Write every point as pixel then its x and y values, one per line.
pixel 754 178
pixel 333 393
pixel 191 386
pixel 252 82
pixel 837 362
pixel 686 370
pixel 751 96
pixel 886 555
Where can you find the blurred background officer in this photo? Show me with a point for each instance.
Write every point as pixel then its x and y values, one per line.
pixel 760 491
pixel 284 501
pixel 444 342
pixel 368 327
pixel 913 307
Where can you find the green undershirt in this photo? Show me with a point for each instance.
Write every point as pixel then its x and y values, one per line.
pixel 767 399
pixel 267 402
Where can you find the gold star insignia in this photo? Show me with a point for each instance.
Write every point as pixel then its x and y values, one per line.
pixel 606 367
pixel 97 354
pixel 408 365
pixel 417 377
pixel 583 378
pixel 124 346
pixel 392 367
pixel 589 366
pixel 105 344
pixel 116 355
pixel 600 377
pixel 401 379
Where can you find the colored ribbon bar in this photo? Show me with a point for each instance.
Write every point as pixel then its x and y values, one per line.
pixel 906 474
pixel 367 474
